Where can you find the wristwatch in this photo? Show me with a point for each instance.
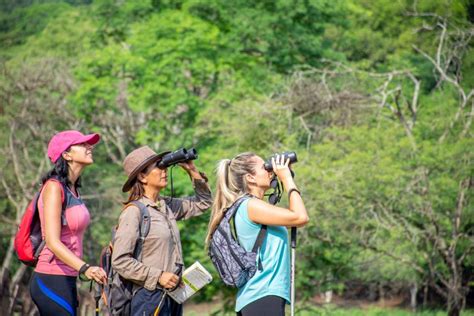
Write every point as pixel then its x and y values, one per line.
pixel 84 268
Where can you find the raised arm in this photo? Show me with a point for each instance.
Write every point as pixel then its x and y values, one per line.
pixel 264 213
pixel 187 207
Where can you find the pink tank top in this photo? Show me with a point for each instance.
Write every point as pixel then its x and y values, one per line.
pixel 77 218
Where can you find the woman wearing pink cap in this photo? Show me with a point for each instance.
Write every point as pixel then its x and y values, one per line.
pixel 64 218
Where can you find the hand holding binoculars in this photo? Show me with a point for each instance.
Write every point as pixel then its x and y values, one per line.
pixel 275 197
pixel 177 156
pixel 286 155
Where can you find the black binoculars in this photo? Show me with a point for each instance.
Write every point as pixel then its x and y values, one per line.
pixel 180 155
pixel 287 155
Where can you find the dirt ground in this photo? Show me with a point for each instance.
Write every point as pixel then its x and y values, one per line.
pixel 193 309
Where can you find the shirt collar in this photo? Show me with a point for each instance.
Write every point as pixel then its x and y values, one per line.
pixel 149 202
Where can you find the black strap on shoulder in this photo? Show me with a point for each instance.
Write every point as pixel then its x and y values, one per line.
pixel 235 206
pixel 261 234
pixel 143 227
pixel 64 200
pixel 260 238
pixel 63 214
pixel 64 205
pixel 258 244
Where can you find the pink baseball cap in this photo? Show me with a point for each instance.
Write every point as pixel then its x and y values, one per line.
pixel 63 140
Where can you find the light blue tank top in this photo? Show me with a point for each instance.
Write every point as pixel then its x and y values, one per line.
pixel 274 279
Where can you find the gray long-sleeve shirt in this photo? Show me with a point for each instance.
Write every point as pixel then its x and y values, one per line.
pixel 162 247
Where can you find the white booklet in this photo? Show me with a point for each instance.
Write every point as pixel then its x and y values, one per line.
pixel 194 278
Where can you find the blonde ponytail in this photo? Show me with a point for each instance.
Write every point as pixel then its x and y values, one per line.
pixel 231 184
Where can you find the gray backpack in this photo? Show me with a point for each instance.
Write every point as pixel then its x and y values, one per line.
pixel 118 292
pixel 234 264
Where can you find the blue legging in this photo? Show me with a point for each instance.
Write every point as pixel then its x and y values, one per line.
pixel 54 294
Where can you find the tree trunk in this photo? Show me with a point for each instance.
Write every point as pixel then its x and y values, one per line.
pixel 5 279
pixel 5 272
pixel 381 294
pixel 328 297
pixel 425 296
pixel 454 310
pixel 455 302
pixel 9 286
pixel 372 292
pixel 13 295
pixel 413 293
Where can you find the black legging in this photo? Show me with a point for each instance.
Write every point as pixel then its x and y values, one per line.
pixel 271 305
pixel 54 295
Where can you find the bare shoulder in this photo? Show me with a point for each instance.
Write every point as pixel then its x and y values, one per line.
pixel 257 204
pixel 52 199
pixel 52 192
pixel 52 187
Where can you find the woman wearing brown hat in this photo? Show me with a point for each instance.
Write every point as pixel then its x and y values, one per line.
pixel 161 256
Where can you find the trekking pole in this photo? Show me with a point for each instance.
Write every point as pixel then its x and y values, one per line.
pixel 178 271
pixel 293 263
pixel 98 292
pixel 158 308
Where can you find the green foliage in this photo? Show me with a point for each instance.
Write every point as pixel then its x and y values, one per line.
pixel 113 19
pixel 17 26
pixel 65 37
pixel 282 33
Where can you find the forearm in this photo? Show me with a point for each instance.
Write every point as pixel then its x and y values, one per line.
pixel 296 203
pixel 64 254
pixel 195 205
pixel 136 272
pixel 195 174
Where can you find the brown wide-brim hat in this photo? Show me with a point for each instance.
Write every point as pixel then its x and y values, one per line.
pixel 137 161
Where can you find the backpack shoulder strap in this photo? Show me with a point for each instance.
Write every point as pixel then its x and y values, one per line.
pixel 144 228
pixel 263 230
pixel 64 204
pixel 260 238
pixel 63 199
pixel 234 207
pixel 63 215
pixel 258 244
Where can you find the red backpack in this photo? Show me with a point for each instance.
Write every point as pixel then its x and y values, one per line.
pixel 28 239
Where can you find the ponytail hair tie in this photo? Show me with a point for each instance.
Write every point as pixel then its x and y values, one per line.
pixel 227 171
